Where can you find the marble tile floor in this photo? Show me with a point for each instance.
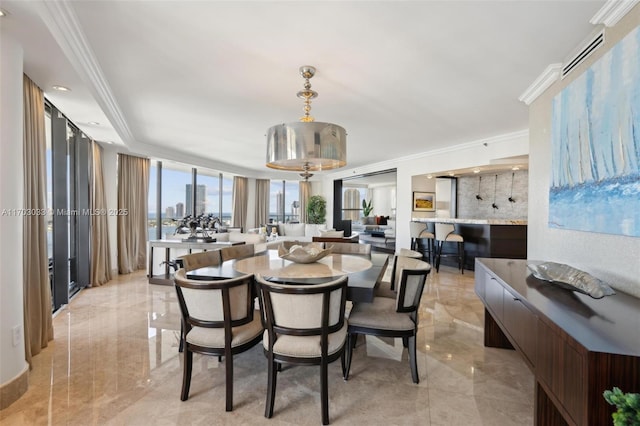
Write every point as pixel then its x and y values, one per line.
pixel 115 361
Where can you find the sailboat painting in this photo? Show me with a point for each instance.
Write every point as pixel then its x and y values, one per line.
pixel 595 143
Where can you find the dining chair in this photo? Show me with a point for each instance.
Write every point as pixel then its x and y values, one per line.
pixel 239 251
pixel 219 319
pixel 200 260
pixel 349 248
pixel 392 318
pixel 194 261
pixel 305 324
pixel 388 288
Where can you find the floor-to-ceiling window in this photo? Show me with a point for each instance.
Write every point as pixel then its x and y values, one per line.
pixel 178 190
pixel 284 201
pixel 177 196
pixel 227 204
pixel 208 199
pixel 68 164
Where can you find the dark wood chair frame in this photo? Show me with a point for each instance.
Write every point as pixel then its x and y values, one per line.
pixel 275 361
pixel 228 351
pixel 408 336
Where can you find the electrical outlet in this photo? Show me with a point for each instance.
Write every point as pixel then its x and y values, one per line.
pixel 16 335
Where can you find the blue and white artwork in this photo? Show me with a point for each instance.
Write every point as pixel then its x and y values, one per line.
pixel 595 170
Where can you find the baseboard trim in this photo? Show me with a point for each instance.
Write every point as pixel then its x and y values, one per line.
pixel 11 391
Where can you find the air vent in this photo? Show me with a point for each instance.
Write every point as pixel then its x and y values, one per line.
pixel 578 58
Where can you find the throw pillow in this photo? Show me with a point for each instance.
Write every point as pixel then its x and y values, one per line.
pixel 293 229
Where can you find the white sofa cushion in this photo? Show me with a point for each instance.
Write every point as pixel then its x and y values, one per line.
pixel 293 229
pixel 313 229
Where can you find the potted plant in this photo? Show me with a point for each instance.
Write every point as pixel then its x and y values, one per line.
pixel 367 208
pixel 316 209
pixel 628 405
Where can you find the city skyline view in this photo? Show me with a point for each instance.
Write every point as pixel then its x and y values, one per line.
pixel 176 186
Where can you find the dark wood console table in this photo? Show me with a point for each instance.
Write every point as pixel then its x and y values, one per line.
pixel 576 346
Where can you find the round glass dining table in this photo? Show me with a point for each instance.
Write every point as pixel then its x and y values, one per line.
pixel 271 265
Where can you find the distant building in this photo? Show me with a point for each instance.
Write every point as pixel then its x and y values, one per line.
pixel 180 210
pixel 201 194
pixel 170 213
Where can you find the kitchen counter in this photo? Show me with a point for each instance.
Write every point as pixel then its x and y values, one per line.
pixel 471 221
pixel 491 238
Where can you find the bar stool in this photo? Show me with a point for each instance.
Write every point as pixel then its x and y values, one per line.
pixel 445 234
pixel 417 231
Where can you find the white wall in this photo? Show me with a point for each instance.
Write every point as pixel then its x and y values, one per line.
pixel 613 258
pixel 12 355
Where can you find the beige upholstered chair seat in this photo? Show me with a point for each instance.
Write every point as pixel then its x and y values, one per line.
pixel 454 238
pixel 214 337
pixel 381 314
pixel 409 253
pixel 426 234
pixel 306 346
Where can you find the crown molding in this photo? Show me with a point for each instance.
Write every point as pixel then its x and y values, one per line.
pixel 62 22
pixel 547 78
pixel 612 12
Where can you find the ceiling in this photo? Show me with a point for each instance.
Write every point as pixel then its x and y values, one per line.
pixel 201 81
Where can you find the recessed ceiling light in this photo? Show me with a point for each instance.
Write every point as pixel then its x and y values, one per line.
pixel 3 13
pixel 429 176
pixel 94 123
pixel 515 168
pixel 61 88
pixel 476 170
pixel 451 174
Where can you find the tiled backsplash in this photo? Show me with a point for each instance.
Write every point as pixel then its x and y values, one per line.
pixel 469 207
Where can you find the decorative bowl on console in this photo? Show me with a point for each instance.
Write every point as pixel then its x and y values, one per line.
pixel 570 278
pixel 309 253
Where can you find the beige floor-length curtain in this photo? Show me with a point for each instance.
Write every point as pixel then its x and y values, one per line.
pixel 100 247
pixel 133 192
pixel 262 201
pixel 38 324
pixel 304 193
pixel 240 200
